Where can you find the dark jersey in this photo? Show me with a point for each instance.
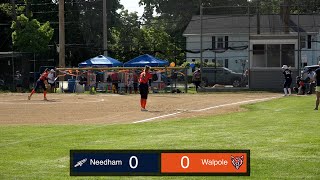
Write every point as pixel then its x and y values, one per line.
pixel 317 71
pixel 287 74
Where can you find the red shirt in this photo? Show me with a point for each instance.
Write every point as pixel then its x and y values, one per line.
pixel 301 83
pixel 44 76
pixel 144 77
pixel 114 76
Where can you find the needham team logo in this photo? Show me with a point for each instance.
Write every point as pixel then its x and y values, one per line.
pixel 81 162
pixel 237 161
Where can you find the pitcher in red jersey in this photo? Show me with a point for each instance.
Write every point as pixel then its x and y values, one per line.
pixel 144 87
pixel 41 82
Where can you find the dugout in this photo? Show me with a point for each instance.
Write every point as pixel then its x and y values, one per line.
pixel 125 79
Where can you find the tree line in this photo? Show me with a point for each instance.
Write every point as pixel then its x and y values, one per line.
pixel 32 25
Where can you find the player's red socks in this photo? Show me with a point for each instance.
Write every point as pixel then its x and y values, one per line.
pixel 143 103
pixel 45 94
pixel 32 92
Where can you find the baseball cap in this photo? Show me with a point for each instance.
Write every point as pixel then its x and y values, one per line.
pixel 52 70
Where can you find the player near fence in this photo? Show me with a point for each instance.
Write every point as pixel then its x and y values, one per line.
pixel 41 82
pixel 135 82
pixel 317 78
pixel 145 76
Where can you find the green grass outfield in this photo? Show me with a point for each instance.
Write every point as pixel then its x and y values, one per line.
pixel 283 136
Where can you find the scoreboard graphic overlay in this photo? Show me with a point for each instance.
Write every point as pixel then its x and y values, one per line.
pixel 160 162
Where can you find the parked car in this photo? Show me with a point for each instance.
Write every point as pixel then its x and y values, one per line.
pixel 221 75
pixel 307 75
pixel 307 70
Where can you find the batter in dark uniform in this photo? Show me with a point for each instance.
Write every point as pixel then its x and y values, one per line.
pixel 287 80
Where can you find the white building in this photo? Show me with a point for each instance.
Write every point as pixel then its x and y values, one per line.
pixel 235 43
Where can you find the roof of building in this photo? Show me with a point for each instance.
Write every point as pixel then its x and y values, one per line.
pixel 269 24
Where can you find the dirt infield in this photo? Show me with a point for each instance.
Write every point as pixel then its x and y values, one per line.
pixel 108 108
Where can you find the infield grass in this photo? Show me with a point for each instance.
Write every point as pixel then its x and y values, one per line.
pixel 283 136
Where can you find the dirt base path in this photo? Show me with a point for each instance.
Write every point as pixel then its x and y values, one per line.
pixel 108 108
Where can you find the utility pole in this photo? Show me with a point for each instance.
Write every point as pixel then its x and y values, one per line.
pixel 105 35
pixel 201 24
pixel 62 61
pixel 258 16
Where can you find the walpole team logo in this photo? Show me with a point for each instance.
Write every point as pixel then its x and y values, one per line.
pixel 237 161
pixel 81 162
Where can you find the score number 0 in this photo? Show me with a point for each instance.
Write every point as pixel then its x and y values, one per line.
pixel 185 166
pixel 130 162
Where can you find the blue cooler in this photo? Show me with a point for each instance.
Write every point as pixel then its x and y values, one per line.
pixel 72 85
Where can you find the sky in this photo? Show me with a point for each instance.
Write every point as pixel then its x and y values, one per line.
pixel 132 5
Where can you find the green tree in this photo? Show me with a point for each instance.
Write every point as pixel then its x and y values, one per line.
pixel 125 37
pixel 6 16
pixel 31 36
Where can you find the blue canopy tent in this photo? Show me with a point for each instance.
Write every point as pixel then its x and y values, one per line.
pixel 144 60
pixel 101 61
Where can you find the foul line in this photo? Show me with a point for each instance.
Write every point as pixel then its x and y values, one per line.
pixel 205 109
pixel 157 117
pixel 50 101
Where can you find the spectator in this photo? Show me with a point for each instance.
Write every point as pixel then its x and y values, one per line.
pixel 115 81
pixel 311 81
pixel 135 82
pixel 18 79
pixel 196 79
pixel 300 88
pixel 83 79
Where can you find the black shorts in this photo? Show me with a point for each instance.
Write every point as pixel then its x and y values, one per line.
pixel 197 83
pixel 287 83
pixel 40 83
pixel 144 91
pixel 135 86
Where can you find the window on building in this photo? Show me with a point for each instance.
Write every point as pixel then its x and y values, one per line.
pixel 302 42
pixel 214 61
pixel 259 55
pixel 226 63
pixel 213 42
pixel 220 63
pixel 288 54
pixel 258 49
pixel 226 42
pixel 273 55
pixel 309 41
pixel 220 43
